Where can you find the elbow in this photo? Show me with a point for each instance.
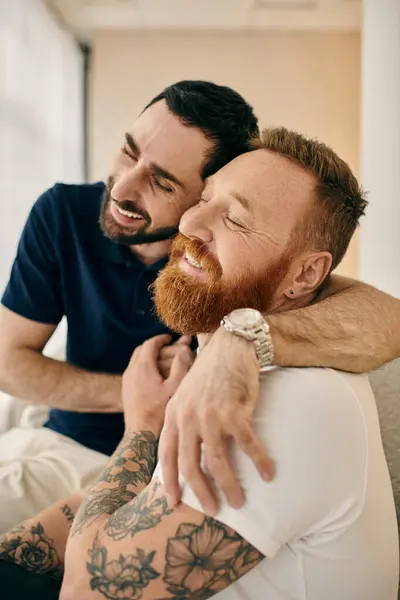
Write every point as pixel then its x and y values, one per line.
pixel 10 364
pixel 7 363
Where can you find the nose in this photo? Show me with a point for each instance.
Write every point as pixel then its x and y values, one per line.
pixel 129 184
pixel 196 223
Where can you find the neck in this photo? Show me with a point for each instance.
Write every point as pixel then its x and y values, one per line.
pixel 148 254
pixel 288 304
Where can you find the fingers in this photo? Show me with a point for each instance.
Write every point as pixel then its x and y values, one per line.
pixel 167 356
pixel 190 463
pixel 216 450
pixel 184 339
pixel 181 364
pixel 248 442
pixel 164 366
pixel 148 354
pixel 168 457
pixel 172 349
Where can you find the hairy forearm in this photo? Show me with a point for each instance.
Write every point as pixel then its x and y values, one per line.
pixel 127 473
pixel 353 328
pixel 39 544
pixel 29 375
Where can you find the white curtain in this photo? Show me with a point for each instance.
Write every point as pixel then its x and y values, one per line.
pixel 41 114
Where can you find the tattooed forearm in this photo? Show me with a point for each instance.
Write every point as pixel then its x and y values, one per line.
pixel 123 578
pixel 128 471
pixel 145 513
pixel 67 512
pixel 30 548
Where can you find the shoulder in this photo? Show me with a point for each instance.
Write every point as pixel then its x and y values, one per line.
pixel 77 200
pixel 318 389
pixel 304 412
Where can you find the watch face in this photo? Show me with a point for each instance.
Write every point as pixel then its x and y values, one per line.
pixel 245 318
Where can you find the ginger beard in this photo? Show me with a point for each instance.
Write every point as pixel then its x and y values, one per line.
pixel 125 235
pixel 190 307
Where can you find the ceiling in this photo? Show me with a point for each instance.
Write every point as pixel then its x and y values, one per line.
pixel 86 16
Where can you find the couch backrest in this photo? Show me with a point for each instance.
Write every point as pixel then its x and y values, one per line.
pixel 386 385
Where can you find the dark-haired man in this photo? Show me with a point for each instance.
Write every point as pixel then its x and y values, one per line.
pixel 99 278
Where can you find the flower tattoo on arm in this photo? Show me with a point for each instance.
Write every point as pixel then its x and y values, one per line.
pixel 200 560
pixel 128 471
pixel 145 513
pixel 32 549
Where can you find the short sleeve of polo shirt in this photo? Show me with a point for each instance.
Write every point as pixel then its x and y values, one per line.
pixel 34 288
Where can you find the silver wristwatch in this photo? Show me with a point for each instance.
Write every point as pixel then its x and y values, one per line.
pixel 251 325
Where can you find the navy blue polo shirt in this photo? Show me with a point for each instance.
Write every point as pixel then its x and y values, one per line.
pixel 66 266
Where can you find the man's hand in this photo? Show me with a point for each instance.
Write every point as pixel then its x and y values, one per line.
pixel 168 353
pixel 213 405
pixel 145 392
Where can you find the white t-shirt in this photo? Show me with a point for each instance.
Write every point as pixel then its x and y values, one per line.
pixel 327 523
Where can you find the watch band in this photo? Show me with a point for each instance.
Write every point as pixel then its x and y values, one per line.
pixel 259 335
pixel 263 344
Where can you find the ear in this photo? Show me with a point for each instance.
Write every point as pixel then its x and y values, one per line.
pixel 309 275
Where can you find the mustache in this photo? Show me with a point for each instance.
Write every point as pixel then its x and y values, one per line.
pixel 124 204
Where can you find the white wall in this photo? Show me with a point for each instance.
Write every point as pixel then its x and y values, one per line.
pixel 380 235
pixel 41 114
pixel 307 81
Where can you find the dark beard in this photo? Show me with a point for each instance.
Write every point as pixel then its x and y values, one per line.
pixel 117 233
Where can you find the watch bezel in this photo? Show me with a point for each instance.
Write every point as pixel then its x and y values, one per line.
pixel 237 319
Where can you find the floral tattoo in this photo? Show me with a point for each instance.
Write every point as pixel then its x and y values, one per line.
pixel 32 549
pixel 122 578
pixel 129 470
pixel 145 513
pixel 200 561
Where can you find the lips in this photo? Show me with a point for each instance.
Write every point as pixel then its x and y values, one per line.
pixel 128 213
pixel 124 217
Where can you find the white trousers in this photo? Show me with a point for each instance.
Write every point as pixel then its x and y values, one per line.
pixel 39 467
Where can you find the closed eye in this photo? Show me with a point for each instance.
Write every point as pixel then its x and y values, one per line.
pixel 127 151
pixel 234 223
pixel 166 188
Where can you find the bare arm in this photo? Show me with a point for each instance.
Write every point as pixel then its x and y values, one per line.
pixel 147 550
pixel 27 374
pixel 39 544
pixel 353 327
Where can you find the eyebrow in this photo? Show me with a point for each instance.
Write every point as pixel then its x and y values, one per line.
pixel 242 200
pixel 132 144
pixel 157 170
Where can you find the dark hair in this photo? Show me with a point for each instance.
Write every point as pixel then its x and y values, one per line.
pixel 340 201
pixel 219 112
